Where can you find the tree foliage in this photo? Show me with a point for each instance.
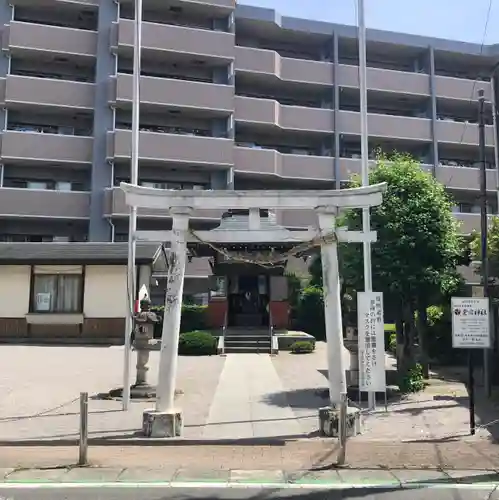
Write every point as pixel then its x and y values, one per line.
pixel 417 250
pixel 418 243
pixel 492 248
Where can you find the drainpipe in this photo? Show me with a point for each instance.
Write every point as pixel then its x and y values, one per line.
pixel 494 122
pixel 113 229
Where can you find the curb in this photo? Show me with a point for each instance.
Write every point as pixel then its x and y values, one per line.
pixel 333 479
pixel 319 485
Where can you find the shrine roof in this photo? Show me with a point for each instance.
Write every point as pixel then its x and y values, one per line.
pixel 76 253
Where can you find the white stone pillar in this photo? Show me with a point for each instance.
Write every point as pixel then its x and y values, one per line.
pixel 332 309
pixel 329 417
pixel 166 419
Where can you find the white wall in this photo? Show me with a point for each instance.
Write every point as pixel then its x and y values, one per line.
pixel 14 291
pixel 105 292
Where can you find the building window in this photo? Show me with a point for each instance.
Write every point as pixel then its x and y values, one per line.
pixel 57 293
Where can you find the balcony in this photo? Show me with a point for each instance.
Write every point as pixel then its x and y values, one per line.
pixel 41 203
pixel 217 6
pixel 272 113
pixel 115 206
pixel 44 38
pixel 35 147
pixel 177 93
pixel 172 148
pixel 266 162
pixel 270 64
pixel 385 80
pixel 465 178
pixel 470 222
pixel 49 92
pixel 460 88
pixel 399 127
pixel 225 5
pixel 296 218
pixel 179 39
pixel 462 133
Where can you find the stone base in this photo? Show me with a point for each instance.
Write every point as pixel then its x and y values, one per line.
pixel 142 391
pixel 329 420
pixel 159 424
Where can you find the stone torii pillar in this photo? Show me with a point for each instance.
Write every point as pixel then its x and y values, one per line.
pixel 329 417
pixel 165 420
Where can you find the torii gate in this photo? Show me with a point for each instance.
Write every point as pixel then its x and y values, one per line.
pixel 165 420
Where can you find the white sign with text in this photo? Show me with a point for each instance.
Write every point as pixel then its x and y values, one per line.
pixel 470 323
pixel 372 376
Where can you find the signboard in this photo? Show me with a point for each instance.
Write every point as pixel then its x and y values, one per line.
pixel 470 323
pixel 43 302
pixel 372 376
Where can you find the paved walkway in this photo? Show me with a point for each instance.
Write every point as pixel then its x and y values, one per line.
pixel 239 409
pixel 343 478
pixel 304 454
pixel 238 396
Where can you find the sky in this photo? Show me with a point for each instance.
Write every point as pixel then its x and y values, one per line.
pixel 462 20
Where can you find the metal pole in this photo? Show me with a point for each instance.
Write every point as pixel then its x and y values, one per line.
pixel 134 179
pixel 471 391
pixel 364 146
pixel 83 443
pixel 484 227
pixel 342 430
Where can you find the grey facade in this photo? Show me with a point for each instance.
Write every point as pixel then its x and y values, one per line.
pixel 232 97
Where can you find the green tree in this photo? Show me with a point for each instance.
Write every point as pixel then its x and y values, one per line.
pixel 492 250
pixel 414 259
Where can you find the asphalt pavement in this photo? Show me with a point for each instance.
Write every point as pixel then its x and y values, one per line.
pixel 146 492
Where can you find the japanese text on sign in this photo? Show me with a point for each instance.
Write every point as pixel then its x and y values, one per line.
pixel 470 323
pixel 372 377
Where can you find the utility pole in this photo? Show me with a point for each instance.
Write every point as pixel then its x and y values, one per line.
pixel 364 151
pixel 132 221
pixel 484 228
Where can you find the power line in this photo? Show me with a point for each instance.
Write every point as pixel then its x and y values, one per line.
pixel 482 46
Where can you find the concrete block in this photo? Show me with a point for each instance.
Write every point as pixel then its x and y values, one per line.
pixel 159 424
pixel 329 421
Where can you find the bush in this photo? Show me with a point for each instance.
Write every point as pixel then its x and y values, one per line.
pixel 197 343
pixel 303 347
pixel 414 381
pixel 193 318
pixel 310 312
pixel 392 342
pixel 439 335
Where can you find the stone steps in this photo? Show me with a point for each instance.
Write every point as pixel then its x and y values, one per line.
pixel 247 341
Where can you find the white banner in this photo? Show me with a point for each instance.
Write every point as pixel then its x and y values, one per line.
pixel 470 323
pixel 371 327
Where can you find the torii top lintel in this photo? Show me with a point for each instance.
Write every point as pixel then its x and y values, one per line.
pixel 167 199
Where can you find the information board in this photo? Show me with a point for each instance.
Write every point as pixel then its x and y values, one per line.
pixel 372 376
pixel 470 323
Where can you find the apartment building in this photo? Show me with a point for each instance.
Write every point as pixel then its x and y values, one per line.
pixel 232 97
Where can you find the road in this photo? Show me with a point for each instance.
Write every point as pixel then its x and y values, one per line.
pixel 146 492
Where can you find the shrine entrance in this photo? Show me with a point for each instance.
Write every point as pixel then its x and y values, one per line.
pixel 166 419
pixel 248 301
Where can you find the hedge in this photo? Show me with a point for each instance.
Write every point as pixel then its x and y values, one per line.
pixel 197 343
pixel 193 319
pixel 310 312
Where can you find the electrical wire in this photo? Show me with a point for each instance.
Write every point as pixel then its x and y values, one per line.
pixel 482 46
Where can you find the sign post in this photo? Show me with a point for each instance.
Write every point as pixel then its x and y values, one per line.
pixel 372 375
pixel 470 330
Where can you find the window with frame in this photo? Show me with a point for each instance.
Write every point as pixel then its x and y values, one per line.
pixel 57 293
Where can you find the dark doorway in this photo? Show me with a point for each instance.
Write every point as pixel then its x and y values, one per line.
pixel 248 300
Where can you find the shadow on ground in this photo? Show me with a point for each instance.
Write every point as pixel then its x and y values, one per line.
pixel 486 410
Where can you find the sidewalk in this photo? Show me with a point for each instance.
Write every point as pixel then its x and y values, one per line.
pixel 290 456
pixel 185 478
